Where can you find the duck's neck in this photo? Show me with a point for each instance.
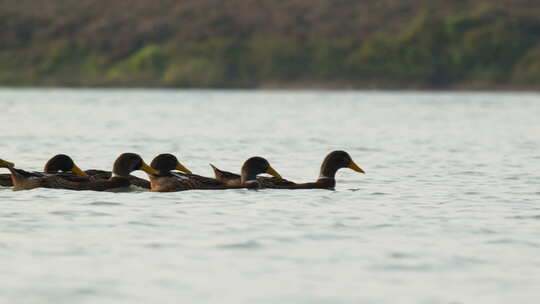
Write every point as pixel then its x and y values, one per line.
pixel 119 170
pixel 248 177
pixel 327 171
pixel 49 169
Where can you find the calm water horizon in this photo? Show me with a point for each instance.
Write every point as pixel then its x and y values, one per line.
pixel 448 211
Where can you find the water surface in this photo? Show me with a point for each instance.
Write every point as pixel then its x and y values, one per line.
pixel 448 213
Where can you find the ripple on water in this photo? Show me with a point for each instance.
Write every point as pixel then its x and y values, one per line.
pixel 379 226
pixel 402 255
pixel 456 262
pixel 42 196
pixel 327 236
pixel 405 267
pixel 508 241
pixel 338 224
pixel 104 203
pixel 525 217
pixel 251 244
pixel 86 291
pixel 470 173
pixel 485 231
pixel 141 223
pixel 98 214
pixel 160 245
pixel 63 212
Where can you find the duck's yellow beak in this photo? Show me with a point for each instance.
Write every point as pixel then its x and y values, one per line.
pixel 355 167
pixel 273 172
pixel 6 164
pixel 181 167
pixel 78 171
pixel 146 168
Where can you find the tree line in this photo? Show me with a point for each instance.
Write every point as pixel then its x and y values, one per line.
pixel 485 46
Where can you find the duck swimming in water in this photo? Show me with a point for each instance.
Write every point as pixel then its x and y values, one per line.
pixel 168 181
pixel 104 175
pixel 331 164
pixel 60 164
pixel 251 169
pixel 123 166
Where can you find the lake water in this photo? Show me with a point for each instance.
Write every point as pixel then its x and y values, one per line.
pixel 448 212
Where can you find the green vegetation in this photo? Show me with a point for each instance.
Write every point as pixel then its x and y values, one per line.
pixel 489 45
pixel 440 51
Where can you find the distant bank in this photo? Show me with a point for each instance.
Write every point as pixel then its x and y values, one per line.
pixel 270 44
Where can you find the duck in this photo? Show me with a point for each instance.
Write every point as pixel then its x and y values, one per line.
pixel 168 181
pixel 251 169
pixel 331 164
pixel 58 164
pixel 61 162
pixel 97 174
pixel 104 175
pixel 123 166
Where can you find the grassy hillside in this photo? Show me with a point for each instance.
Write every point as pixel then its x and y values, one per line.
pixel 253 43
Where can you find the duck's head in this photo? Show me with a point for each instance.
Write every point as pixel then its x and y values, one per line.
pixel 129 162
pixel 6 164
pixel 62 163
pixel 335 161
pixel 167 162
pixel 255 166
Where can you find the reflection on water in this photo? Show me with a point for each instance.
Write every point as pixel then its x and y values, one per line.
pixel 448 212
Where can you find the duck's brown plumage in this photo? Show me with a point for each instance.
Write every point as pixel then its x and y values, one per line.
pixel 228 178
pixel 235 180
pixel 123 166
pixel 60 164
pixel 104 175
pixel 331 164
pixel 5 180
pixel 169 181
pixel 248 177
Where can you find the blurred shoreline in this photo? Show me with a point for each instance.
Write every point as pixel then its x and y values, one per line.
pixel 309 86
pixel 326 44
